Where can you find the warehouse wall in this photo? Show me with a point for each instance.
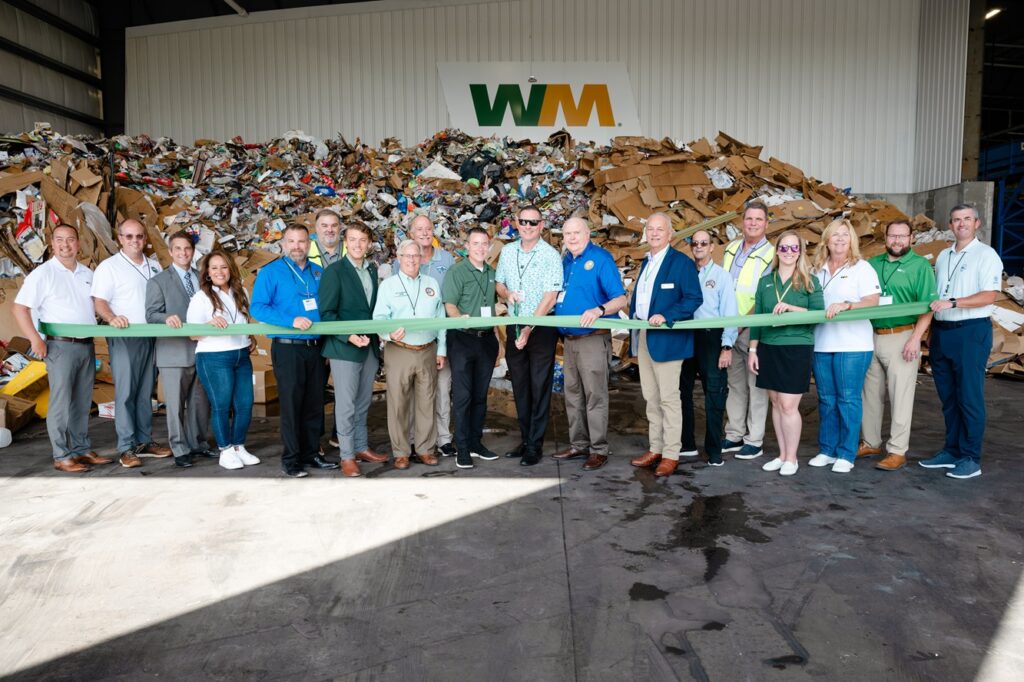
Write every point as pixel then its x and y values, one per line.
pixel 858 93
pixel 31 78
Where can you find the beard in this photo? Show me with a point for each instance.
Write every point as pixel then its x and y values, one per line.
pixel 897 253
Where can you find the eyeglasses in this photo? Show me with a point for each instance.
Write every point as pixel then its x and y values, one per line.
pixel 898 236
pixel 408 255
pixel 700 243
pixel 532 223
pixel 132 236
pixel 789 249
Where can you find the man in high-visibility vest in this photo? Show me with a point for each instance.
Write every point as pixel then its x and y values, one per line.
pixel 746 259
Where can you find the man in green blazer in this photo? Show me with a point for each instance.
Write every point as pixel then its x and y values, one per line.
pixel 349 292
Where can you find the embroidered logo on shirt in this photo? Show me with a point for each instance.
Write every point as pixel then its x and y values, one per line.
pixel 710 284
pixel 589 265
pixel 428 291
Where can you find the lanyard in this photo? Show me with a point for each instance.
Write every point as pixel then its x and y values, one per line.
pixel 833 277
pixel 229 305
pixel 146 276
pixel 650 268
pixel 481 286
pixel 775 282
pixel 951 271
pixel 303 282
pixel 523 268
pixel 885 280
pixel 419 290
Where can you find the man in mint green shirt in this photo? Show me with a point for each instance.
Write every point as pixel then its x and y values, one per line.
pixel 905 277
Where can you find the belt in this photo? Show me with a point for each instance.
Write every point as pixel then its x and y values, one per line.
pixel 409 346
pixel 309 343
pixel 70 339
pixel 478 333
pixel 596 332
pixel 894 330
pixel 961 323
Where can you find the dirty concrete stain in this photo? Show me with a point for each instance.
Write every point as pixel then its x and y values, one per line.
pixel 645 592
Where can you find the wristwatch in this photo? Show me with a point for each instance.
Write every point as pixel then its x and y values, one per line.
pixel 726 347
pixel 601 308
pixel 953 301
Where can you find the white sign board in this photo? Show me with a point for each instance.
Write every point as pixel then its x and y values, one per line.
pixel 593 101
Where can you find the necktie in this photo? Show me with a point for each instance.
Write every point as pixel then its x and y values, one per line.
pixel 190 288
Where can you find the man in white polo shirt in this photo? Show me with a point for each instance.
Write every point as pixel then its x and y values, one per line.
pixel 58 292
pixel 119 291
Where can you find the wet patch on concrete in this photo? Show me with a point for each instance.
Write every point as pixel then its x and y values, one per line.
pixel 781 662
pixel 645 592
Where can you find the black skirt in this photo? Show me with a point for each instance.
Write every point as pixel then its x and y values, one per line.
pixel 786 369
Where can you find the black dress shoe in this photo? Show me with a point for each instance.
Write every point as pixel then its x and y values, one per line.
pixel 529 459
pixel 447 450
pixel 185 461
pixel 517 451
pixel 205 452
pixel 319 462
pixel 296 473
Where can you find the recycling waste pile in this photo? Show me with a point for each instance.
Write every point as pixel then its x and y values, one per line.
pixel 239 196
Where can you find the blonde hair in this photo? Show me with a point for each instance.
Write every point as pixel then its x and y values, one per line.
pixel 821 253
pixel 802 278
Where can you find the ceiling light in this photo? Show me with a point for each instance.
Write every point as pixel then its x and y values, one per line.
pixel 992 12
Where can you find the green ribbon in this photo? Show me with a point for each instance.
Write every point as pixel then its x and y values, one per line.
pixel 438 324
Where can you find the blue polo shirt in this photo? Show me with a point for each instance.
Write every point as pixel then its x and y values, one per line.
pixel 279 292
pixel 589 280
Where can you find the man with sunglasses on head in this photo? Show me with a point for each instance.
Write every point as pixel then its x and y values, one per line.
pixel 712 352
pixel 119 293
pixel 905 277
pixel 529 278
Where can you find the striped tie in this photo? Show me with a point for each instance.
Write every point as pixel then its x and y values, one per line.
pixel 190 288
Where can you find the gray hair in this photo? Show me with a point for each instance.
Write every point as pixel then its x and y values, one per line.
pixel 409 242
pixel 668 221
pixel 965 207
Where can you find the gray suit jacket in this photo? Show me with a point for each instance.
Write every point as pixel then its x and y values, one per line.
pixel 166 296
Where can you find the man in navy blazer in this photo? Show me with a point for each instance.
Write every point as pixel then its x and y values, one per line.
pixel 667 291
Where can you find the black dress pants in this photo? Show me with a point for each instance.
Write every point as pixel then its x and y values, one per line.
pixel 530 370
pixel 472 361
pixel 299 370
pixel 707 345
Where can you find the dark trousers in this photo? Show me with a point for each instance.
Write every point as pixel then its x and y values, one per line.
pixel 472 362
pixel 958 352
pixel 707 345
pixel 300 387
pixel 530 370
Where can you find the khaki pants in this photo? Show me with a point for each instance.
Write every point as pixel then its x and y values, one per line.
pixel 412 382
pixel 890 373
pixel 586 391
pixel 747 405
pixel 659 382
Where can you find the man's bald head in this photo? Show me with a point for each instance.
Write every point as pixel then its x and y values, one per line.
pixel 421 229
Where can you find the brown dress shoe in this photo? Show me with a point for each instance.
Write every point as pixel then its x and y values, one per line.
pixel 368 455
pixel 666 467
pixel 570 453
pixel 429 460
pixel 892 462
pixel 645 460
pixel 92 458
pixel 70 465
pixel 158 451
pixel 594 462
pixel 401 462
pixel 129 460
pixel 866 450
pixel 350 468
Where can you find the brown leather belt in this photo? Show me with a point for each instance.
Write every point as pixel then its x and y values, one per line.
pixel 894 330
pixel 409 346
pixel 69 339
pixel 596 332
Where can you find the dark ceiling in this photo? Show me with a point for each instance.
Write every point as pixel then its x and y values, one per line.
pixel 1002 93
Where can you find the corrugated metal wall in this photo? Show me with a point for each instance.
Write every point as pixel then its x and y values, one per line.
pixel 829 85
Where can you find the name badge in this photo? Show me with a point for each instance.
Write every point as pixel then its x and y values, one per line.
pixel 309 303
pixel 885 300
pixel 485 311
pixel 668 285
pixel 561 297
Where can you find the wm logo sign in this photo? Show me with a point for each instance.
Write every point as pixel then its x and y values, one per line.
pixel 542 106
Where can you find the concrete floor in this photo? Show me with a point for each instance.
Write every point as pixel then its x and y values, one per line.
pixel 511 573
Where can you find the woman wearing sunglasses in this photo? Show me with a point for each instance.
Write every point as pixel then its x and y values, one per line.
pixel 781 356
pixel 222 362
pixel 842 350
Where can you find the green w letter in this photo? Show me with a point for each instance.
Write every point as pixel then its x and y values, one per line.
pixel 508 95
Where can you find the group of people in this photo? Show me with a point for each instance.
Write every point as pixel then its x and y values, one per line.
pixel 437 378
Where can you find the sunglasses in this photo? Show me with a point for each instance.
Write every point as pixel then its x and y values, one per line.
pixel 789 249
pixel 132 236
pixel 531 223
pixel 700 243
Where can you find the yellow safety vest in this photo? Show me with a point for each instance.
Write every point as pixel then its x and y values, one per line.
pixel 756 264
pixel 314 253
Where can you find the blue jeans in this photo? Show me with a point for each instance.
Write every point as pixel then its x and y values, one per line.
pixel 839 378
pixel 227 377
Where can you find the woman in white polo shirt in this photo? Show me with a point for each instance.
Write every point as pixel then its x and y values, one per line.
pixel 842 350
pixel 222 362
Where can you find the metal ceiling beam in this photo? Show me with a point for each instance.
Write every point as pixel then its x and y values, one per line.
pixel 54 20
pixel 46 105
pixel 50 63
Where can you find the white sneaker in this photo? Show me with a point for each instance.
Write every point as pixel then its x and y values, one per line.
pixel 688 453
pixel 842 466
pixel 773 465
pixel 788 468
pixel 246 457
pixel 229 459
pixel 820 460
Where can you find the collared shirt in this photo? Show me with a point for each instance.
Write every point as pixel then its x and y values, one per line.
pixel 719 298
pixel 470 289
pixel 645 282
pixel 401 297
pixel 322 257
pixel 958 274
pixel 186 274
pixel 121 282
pixel 849 283
pixel 363 272
pixel 438 265
pixel 590 279
pixel 56 294
pixel 741 257
pixel 534 272
pixel 908 279
pixel 280 292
